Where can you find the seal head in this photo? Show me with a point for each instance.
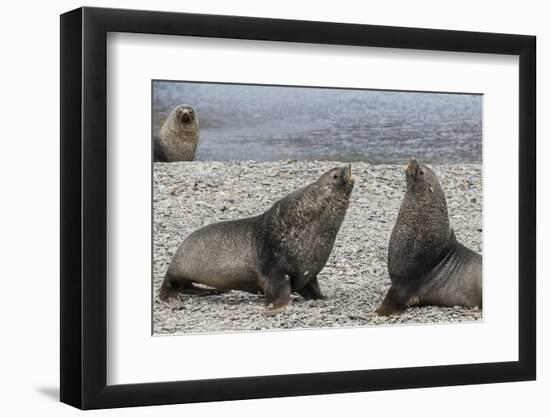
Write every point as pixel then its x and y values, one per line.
pixel 184 115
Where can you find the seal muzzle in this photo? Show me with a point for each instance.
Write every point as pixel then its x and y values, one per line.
pixel 413 164
pixel 412 170
pixel 186 116
pixel 347 175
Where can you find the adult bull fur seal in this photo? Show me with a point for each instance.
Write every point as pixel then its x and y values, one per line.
pixel 275 253
pixel 178 137
pixel 426 264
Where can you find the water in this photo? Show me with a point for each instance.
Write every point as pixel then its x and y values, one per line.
pixel 240 122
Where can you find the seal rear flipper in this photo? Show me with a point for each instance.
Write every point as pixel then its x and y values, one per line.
pixel 195 290
pixel 170 295
pixel 171 289
pixel 168 292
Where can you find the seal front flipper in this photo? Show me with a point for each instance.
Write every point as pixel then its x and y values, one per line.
pixel 395 300
pixel 277 292
pixel 160 153
pixel 312 291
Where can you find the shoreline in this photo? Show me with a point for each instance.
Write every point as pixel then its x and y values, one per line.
pixel 189 195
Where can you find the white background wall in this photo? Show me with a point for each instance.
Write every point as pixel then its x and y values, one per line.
pixel 29 225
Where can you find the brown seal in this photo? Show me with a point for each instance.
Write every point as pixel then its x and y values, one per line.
pixel 275 253
pixel 426 264
pixel 178 137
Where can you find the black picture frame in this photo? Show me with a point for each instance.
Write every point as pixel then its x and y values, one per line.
pixel 84 207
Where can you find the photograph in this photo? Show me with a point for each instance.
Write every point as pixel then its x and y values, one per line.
pixel 344 207
pixel 299 207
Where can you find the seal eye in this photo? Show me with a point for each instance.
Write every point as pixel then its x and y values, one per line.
pixel 335 176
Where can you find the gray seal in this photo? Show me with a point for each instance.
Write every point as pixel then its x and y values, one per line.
pixel 275 253
pixel 178 137
pixel 426 263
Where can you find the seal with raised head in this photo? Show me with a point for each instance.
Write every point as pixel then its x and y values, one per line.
pixel 275 253
pixel 426 263
pixel 178 137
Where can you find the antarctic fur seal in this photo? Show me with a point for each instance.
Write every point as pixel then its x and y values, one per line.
pixel 274 253
pixel 178 137
pixel 426 263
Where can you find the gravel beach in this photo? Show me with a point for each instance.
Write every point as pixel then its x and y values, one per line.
pixel 189 195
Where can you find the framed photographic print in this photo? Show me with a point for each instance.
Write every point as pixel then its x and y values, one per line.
pixel 258 207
